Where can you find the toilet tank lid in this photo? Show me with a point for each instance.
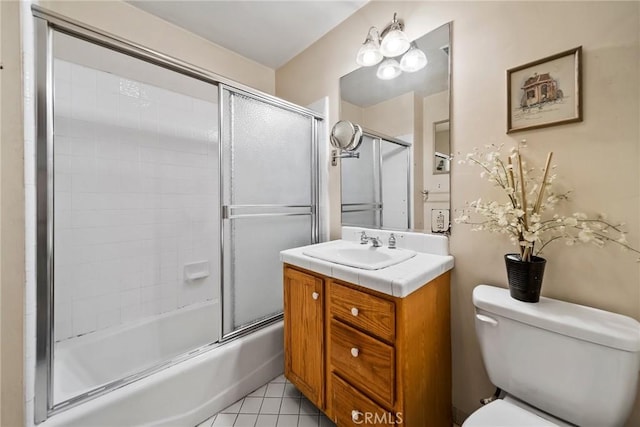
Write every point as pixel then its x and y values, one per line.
pixel 577 321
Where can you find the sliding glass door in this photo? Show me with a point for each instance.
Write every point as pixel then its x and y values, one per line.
pixel 269 201
pixel 135 219
pixel 361 190
pixel 164 197
pixel 376 186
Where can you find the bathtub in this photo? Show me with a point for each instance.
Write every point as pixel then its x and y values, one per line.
pixel 90 361
pixel 183 394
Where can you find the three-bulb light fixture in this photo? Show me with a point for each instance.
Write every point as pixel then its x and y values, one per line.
pixel 388 45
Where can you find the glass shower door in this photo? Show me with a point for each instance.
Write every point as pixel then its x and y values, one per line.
pixel 395 184
pixel 269 201
pixel 135 224
pixel 376 185
pixel 361 186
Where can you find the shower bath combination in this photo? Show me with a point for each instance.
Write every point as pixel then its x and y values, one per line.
pixel 153 178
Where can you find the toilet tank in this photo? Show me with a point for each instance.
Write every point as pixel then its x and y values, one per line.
pixel 577 363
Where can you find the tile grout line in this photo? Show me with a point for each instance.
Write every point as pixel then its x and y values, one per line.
pixel 288 391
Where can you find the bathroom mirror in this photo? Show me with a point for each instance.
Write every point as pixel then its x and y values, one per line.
pixel 398 181
pixel 346 136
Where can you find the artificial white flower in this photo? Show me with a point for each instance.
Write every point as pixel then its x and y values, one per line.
pixel 526 214
pixel 585 236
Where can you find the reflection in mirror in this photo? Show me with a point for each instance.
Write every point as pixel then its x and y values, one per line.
pixel 375 187
pixel 441 147
pixel 398 181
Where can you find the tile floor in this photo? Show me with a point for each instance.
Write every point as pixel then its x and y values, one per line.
pixel 276 404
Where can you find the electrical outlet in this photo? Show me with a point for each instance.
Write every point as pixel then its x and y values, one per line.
pixel 439 220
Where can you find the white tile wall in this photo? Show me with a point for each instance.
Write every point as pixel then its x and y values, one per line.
pixel 136 195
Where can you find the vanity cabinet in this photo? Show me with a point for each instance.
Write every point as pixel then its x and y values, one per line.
pixel 369 358
pixel 304 333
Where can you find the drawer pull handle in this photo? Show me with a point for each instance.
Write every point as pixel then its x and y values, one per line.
pixel 354 311
pixel 315 295
pixel 355 352
pixel 355 416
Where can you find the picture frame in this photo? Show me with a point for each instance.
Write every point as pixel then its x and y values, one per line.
pixel 546 92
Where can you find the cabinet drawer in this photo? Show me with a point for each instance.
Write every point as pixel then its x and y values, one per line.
pixel 351 408
pixel 364 361
pixel 374 315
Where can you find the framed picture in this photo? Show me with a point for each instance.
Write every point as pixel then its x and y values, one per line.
pixel 546 92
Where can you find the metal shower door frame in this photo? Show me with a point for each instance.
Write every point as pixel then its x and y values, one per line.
pixel 45 23
pixel 227 213
pixel 377 139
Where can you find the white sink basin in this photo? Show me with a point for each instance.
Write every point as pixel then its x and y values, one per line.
pixel 356 255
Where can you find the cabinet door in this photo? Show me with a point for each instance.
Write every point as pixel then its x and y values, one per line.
pixel 304 333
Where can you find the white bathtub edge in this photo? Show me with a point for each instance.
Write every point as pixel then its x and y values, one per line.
pixel 186 393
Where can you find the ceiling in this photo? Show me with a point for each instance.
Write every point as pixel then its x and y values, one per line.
pixel 266 31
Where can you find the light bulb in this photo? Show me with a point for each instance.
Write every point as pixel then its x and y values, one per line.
pixel 388 69
pixel 369 53
pixel 394 43
pixel 413 60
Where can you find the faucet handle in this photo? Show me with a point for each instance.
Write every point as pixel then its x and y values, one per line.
pixel 392 241
pixel 363 238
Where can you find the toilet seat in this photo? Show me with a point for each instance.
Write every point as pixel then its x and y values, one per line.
pixel 501 413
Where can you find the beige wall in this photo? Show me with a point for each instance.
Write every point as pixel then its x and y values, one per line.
pixel 393 117
pixel 131 23
pixel 597 158
pixel 351 112
pixel 12 271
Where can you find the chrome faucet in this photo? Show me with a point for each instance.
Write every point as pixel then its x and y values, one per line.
pixel 375 241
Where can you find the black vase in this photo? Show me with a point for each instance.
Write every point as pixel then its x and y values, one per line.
pixel 525 277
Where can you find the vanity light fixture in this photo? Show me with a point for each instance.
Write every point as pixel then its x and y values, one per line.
pixel 369 53
pixel 413 60
pixel 389 69
pixel 388 45
pixel 394 41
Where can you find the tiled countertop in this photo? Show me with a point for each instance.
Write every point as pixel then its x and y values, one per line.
pixel 397 280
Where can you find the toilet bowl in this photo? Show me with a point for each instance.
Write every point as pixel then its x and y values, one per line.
pixel 509 412
pixel 555 361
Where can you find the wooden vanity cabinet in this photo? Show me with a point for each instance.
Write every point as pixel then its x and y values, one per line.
pixel 371 353
pixel 304 333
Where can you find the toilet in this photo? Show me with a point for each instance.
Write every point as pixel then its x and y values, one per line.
pixel 557 363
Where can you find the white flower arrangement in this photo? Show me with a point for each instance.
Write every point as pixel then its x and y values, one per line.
pixel 527 215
